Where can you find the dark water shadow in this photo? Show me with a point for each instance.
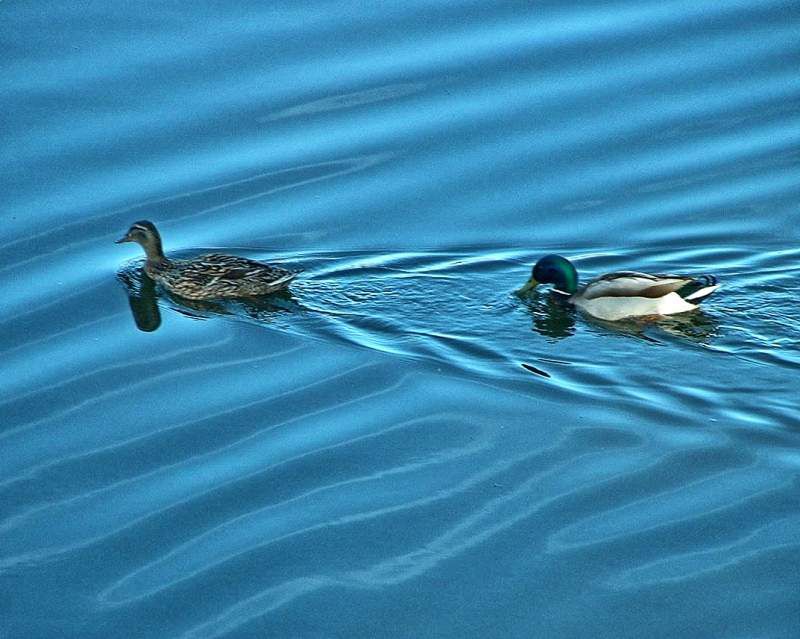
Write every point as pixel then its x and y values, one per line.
pixel 259 309
pixel 697 327
pixel 144 294
pixel 555 318
pixel 552 316
pixel 142 298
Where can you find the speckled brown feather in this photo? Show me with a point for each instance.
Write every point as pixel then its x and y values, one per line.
pixel 208 276
pixel 215 275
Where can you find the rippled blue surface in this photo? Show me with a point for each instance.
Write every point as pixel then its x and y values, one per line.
pixel 399 448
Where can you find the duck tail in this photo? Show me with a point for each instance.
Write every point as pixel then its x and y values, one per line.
pixel 698 289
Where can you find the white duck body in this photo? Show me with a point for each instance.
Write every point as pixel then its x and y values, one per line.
pixel 615 296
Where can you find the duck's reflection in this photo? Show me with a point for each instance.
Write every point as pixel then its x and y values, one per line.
pixel 695 326
pixel 143 296
pixel 553 317
pixel 142 299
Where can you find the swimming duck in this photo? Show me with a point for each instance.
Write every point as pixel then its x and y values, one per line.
pixel 614 296
pixel 207 276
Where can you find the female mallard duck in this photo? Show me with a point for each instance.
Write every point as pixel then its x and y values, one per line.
pixel 207 276
pixel 614 296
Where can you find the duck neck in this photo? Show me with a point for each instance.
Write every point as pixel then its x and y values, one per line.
pixel 155 254
pixel 567 282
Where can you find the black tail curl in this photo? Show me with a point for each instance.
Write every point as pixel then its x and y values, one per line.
pixel 698 283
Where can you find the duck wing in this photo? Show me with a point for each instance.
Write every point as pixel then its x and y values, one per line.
pixel 216 266
pixel 634 284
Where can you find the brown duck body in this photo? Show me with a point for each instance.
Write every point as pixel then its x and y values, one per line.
pixel 215 275
pixel 209 276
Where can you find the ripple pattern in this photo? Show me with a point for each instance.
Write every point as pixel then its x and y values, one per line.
pixel 399 447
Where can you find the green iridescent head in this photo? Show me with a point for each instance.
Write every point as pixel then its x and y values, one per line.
pixel 555 270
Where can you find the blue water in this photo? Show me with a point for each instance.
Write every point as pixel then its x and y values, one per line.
pixel 399 447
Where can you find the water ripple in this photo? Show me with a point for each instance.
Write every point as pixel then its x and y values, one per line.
pixel 398 438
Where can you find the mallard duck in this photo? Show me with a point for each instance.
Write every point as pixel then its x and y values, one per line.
pixel 207 276
pixel 614 296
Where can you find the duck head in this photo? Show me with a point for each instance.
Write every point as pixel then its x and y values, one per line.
pixel 555 270
pixel 145 234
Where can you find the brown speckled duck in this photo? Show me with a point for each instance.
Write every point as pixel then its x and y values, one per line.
pixel 209 276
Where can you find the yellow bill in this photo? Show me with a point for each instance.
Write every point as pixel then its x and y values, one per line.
pixel 528 286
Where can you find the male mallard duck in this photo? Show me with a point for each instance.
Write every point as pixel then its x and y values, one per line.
pixel 614 296
pixel 207 276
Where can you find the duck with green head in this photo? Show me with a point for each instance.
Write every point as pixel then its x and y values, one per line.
pixel 209 276
pixel 621 294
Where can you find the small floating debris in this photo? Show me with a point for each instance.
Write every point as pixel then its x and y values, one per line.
pixel 535 371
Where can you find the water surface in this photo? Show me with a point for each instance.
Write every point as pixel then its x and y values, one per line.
pixel 399 447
